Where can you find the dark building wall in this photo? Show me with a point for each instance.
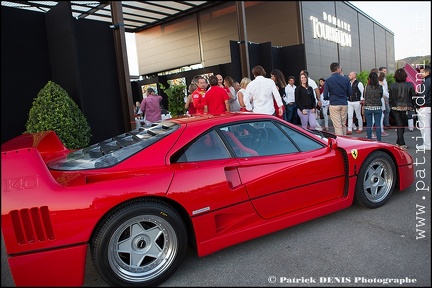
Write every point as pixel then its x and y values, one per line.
pixel 77 54
pixel 367 47
pixel 99 78
pixel 292 61
pixel 25 68
pixel 349 56
pixel 371 44
pixel 380 44
pixel 390 49
pixel 63 50
pixel 319 52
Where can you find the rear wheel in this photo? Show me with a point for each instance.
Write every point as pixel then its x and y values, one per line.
pixel 139 244
pixel 376 180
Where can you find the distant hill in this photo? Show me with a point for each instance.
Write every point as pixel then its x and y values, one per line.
pixel 414 60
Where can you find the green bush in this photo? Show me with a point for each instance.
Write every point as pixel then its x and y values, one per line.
pixel 390 79
pixel 176 95
pixel 53 109
pixel 363 76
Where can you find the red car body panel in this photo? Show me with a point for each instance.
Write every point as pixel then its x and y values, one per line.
pixel 50 214
pixel 64 267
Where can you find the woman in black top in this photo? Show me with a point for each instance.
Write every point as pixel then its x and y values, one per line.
pixel 401 95
pixel 305 102
pixel 373 93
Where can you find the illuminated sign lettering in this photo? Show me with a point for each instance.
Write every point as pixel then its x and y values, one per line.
pixel 334 33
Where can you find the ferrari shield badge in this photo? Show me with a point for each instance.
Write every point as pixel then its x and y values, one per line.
pixel 354 153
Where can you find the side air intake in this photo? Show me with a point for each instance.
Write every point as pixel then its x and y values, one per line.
pixel 32 225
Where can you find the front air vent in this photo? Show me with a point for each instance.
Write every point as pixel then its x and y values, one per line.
pixel 346 162
pixel 32 225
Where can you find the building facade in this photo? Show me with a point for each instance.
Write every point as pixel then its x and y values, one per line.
pixel 287 35
pixel 229 38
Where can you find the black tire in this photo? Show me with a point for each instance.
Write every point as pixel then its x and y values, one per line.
pixel 376 180
pixel 150 256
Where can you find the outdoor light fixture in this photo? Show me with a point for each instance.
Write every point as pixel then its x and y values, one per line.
pixel 116 26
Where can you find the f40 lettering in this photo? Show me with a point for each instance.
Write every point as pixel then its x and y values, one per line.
pixel 20 183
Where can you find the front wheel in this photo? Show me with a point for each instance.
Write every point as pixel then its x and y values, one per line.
pixel 376 180
pixel 140 244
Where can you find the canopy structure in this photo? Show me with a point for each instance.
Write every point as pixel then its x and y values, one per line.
pixel 137 15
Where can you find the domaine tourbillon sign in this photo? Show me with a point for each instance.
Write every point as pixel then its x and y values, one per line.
pixel 332 29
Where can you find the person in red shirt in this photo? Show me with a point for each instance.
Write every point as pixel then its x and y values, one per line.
pixel 216 97
pixel 198 96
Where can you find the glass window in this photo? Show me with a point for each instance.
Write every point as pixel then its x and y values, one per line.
pixel 260 138
pixel 207 147
pixel 257 138
pixel 300 140
pixel 114 150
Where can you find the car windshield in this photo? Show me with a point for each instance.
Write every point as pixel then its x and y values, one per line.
pixel 114 150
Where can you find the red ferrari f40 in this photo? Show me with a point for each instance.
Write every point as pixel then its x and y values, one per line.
pixel 138 200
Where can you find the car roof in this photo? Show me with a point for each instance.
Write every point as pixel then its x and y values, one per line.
pixel 219 118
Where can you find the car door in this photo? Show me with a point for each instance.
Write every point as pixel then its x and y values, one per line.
pixel 205 176
pixel 293 171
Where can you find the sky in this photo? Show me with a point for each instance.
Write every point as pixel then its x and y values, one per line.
pixel 410 21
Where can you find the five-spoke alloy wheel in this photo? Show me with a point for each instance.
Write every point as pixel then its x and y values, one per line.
pixel 140 244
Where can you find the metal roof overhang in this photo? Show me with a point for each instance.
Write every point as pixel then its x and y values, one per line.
pixel 124 16
pixel 137 15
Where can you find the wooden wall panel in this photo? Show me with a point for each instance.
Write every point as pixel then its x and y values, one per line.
pixel 275 22
pixel 218 27
pixel 168 46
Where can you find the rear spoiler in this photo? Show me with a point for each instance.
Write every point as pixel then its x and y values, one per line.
pixel 46 142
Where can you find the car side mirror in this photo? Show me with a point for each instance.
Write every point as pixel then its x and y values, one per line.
pixel 332 143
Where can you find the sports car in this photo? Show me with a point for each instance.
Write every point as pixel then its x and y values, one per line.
pixel 137 201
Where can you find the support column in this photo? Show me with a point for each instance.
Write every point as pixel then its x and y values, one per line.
pixel 122 64
pixel 243 42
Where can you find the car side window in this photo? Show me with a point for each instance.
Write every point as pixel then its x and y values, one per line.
pixel 257 138
pixel 303 142
pixel 208 146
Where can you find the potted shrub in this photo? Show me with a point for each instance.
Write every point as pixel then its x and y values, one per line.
pixel 53 109
pixel 176 95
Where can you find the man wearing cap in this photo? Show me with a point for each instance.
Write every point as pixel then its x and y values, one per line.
pixel 150 106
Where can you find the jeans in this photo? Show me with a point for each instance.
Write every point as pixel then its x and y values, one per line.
pixel 291 113
pixel 326 116
pixel 386 114
pixel 373 116
pixel 401 119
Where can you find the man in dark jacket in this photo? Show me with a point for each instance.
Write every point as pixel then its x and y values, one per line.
pixel 423 103
pixel 337 89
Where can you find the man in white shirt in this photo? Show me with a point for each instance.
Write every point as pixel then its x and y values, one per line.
pixel 291 107
pixel 262 90
pixel 354 103
pixel 386 120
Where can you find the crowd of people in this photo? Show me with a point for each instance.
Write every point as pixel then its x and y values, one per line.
pixel 375 102
pixel 350 105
